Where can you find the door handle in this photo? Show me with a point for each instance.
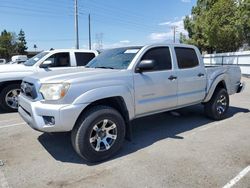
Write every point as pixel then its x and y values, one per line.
pixel 172 77
pixel 200 75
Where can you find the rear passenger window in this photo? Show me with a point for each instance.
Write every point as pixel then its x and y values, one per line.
pixel 82 58
pixel 161 56
pixel 186 57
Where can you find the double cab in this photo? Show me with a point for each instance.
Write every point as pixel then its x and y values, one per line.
pixel 97 103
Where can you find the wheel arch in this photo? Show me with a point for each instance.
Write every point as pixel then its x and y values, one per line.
pixel 3 86
pixel 6 83
pixel 116 102
pixel 218 83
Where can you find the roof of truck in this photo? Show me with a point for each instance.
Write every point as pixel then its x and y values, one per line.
pixel 171 44
pixel 72 50
pixel 155 45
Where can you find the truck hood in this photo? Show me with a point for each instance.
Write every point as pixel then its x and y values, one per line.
pixel 15 68
pixel 73 74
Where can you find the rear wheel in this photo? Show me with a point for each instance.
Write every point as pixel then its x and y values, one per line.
pixel 9 98
pixel 218 105
pixel 98 134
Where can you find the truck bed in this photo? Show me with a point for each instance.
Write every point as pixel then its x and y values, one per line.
pixel 231 73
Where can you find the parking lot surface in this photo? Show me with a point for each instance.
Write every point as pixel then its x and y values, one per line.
pixel 180 149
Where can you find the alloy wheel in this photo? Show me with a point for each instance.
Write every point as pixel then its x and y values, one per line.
pixel 103 135
pixel 11 98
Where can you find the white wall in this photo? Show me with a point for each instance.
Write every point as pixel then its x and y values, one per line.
pixel 241 59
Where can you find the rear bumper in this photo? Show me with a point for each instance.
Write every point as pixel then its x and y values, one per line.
pixel 34 114
pixel 241 87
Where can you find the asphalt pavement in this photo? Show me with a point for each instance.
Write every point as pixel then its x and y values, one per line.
pixel 177 149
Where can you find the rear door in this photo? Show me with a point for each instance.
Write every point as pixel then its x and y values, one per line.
pixel 191 76
pixel 83 58
pixel 154 91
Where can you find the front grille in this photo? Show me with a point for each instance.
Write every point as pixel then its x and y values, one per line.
pixel 29 90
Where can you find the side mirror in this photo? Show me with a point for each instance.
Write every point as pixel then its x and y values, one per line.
pixel 46 64
pixel 145 65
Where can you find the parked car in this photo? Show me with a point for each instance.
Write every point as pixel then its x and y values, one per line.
pixel 17 59
pixel 2 61
pixel 11 75
pixel 98 103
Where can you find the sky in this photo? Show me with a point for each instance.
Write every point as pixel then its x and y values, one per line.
pixel 50 24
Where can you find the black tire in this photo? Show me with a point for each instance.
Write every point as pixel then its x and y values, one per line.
pixel 84 128
pixel 217 110
pixel 3 104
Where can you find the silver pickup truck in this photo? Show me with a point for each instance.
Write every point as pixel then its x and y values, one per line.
pixel 11 75
pixel 98 102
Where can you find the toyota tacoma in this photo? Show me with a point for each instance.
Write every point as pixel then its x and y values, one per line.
pixel 97 103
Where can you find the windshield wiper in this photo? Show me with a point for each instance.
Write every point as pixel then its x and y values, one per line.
pixel 105 67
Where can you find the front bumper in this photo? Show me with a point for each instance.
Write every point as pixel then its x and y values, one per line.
pixel 33 112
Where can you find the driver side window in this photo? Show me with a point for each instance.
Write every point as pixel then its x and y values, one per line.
pixel 161 57
pixel 59 60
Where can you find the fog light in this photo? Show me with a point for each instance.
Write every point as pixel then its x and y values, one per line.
pixel 49 120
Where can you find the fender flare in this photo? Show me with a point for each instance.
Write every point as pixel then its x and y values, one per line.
pixel 211 87
pixel 108 92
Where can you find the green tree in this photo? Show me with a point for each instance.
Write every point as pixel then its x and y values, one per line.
pixel 244 15
pixel 7 44
pixel 182 38
pixel 21 43
pixel 224 31
pixel 215 25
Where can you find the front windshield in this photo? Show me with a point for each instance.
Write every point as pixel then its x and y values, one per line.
pixel 33 60
pixel 118 58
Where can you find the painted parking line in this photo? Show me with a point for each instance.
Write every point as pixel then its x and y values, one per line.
pixel 238 177
pixel 206 127
pixel 209 126
pixel 3 180
pixel 6 121
pixel 12 125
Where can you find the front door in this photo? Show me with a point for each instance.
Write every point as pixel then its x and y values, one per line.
pixel 155 90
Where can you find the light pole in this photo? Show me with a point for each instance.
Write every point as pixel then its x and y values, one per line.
pixel 76 25
pixel 174 30
pixel 89 33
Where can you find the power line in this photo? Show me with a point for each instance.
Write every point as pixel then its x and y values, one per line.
pixel 121 14
pixel 47 6
pixel 101 15
pixel 115 21
pixel 126 12
pixel 129 20
pixel 107 17
pixel 33 11
pixel 124 16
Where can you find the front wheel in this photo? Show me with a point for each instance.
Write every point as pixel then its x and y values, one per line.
pixel 218 105
pixel 98 134
pixel 9 98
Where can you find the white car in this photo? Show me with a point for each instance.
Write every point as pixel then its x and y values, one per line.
pixel 11 75
pixel 17 59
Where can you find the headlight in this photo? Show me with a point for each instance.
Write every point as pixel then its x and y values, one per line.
pixel 54 91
